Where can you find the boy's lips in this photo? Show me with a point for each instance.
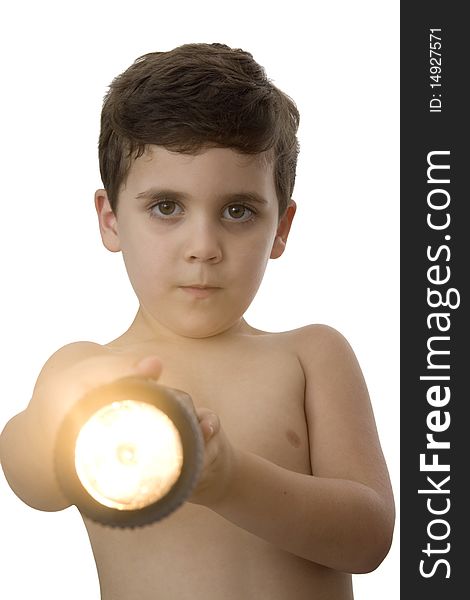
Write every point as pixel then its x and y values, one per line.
pixel 199 291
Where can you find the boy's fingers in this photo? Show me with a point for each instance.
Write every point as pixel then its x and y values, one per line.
pixel 208 421
pixel 149 365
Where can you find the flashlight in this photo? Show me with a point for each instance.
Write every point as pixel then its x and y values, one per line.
pixel 128 453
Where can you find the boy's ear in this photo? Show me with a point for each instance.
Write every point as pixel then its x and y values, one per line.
pixel 107 221
pixel 283 229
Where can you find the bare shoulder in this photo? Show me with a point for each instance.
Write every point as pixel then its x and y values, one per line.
pixel 76 351
pixel 319 349
pixel 54 373
pixel 65 376
pixel 312 344
pixel 317 332
pixel 69 355
pixel 316 343
pixel 333 376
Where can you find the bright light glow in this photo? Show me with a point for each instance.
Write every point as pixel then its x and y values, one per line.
pixel 128 455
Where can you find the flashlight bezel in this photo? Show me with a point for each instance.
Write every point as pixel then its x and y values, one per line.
pixel 141 390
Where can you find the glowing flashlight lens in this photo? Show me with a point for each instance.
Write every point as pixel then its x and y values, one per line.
pixel 128 455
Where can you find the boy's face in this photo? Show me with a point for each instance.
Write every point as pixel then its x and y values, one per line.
pixel 196 233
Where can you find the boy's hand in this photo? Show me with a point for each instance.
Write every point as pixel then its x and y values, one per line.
pixel 219 456
pixel 218 453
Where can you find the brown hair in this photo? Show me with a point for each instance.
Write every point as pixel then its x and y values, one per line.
pixel 195 96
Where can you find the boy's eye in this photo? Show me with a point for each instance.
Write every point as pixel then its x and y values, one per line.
pixel 170 208
pixel 166 208
pixel 238 212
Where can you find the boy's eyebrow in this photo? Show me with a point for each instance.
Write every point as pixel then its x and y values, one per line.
pixel 166 193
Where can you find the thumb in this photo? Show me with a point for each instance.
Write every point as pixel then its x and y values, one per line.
pixel 149 366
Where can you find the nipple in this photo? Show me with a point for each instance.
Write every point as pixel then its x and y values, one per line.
pixel 293 438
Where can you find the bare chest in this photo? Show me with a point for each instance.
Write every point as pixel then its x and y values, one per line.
pixel 258 392
pixel 258 395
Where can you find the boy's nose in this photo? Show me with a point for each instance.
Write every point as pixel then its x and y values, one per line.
pixel 202 245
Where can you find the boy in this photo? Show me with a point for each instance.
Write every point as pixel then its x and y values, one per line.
pixel 198 153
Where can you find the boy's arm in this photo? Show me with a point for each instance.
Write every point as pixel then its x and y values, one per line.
pixel 28 440
pixel 343 515
pixel 26 463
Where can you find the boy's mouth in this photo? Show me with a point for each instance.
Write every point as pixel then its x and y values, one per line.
pixel 199 291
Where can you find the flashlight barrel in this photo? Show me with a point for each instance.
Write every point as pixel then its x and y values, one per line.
pixel 165 400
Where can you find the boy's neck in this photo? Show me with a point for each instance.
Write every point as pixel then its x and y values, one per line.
pixel 146 329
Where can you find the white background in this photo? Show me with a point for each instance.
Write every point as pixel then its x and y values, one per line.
pixel 339 61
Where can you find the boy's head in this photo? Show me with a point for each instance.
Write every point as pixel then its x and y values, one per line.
pixel 197 153
pixel 193 97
